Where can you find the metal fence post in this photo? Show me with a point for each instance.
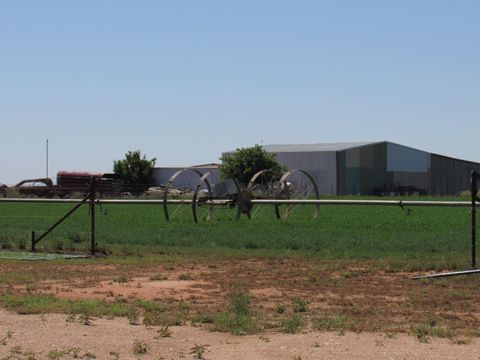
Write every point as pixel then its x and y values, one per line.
pixel 474 192
pixel 33 241
pixel 92 215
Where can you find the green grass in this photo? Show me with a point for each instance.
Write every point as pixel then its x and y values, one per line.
pixel 238 319
pixel 428 235
pixel 424 331
pixel 292 324
pixel 324 322
pixel 37 304
pixel 299 305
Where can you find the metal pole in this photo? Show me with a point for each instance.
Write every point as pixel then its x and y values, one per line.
pixel 46 162
pixel 474 191
pixel 92 215
pixel 33 241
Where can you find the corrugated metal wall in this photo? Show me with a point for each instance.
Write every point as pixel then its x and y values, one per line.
pixel 361 170
pixel 187 180
pixel 391 168
pixel 450 176
pixel 379 168
pixel 321 166
pixel 408 169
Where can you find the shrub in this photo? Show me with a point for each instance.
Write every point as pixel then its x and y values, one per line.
pixel 292 324
pixel 238 320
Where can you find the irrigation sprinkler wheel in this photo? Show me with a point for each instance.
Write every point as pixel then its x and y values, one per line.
pixel 263 185
pixel 225 195
pixel 177 211
pixel 301 186
pixel 201 210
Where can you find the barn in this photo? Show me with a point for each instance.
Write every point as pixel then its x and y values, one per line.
pixel 375 168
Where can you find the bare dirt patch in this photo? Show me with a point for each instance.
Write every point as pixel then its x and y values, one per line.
pixel 357 299
pixel 110 339
pixel 135 288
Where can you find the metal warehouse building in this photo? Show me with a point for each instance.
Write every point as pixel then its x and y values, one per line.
pixel 188 180
pixel 375 168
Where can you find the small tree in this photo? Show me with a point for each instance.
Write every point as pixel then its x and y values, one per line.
pixel 246 162
pixel 135 171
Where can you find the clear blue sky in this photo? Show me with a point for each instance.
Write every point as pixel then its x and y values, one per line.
pixel 185 80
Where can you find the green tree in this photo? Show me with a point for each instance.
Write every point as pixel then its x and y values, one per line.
pixel 135 171
pixel 246 162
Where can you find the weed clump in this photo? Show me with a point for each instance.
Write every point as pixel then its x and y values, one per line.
pixel 329 323
pixel 202 318
pixel 163 332
pixel 61 354
pixel 281 308
pixel 122 279
pixel 139 347
pixel 428 329
pixel 198 351
pixel 238 320
pixel 114 355
pixel 133 316
pixel 86 319
pixel 240 304
pixel 292 324
pixel 17 352
pixel 159 314
pixel 185 277
pixel 299 305
pixel 157 277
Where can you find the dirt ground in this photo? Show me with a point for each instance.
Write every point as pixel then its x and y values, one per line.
pixel 379 309
pixel 110 339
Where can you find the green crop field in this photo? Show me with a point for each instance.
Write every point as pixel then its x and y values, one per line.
pixel 435 237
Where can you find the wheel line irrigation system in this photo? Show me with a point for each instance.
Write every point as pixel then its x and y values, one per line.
pixel 244 203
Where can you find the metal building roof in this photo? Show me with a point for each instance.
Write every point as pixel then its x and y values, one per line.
pixel 279 148
pixel 200 166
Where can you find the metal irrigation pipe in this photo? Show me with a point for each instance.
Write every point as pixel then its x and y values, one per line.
pixel 401 203
pixel 111 201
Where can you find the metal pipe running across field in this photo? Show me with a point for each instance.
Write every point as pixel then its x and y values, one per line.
pixel 112 201
pixel 401 203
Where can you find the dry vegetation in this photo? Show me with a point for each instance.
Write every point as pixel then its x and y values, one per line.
pixel 240 296
pixel 245 296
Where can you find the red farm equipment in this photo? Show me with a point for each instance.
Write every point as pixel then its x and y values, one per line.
pixel 69 183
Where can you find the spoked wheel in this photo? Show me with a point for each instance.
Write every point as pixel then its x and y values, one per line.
pixel 297 185
pixel 201 208
pixel 209 199
pixel 178 194
pixel 263 185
